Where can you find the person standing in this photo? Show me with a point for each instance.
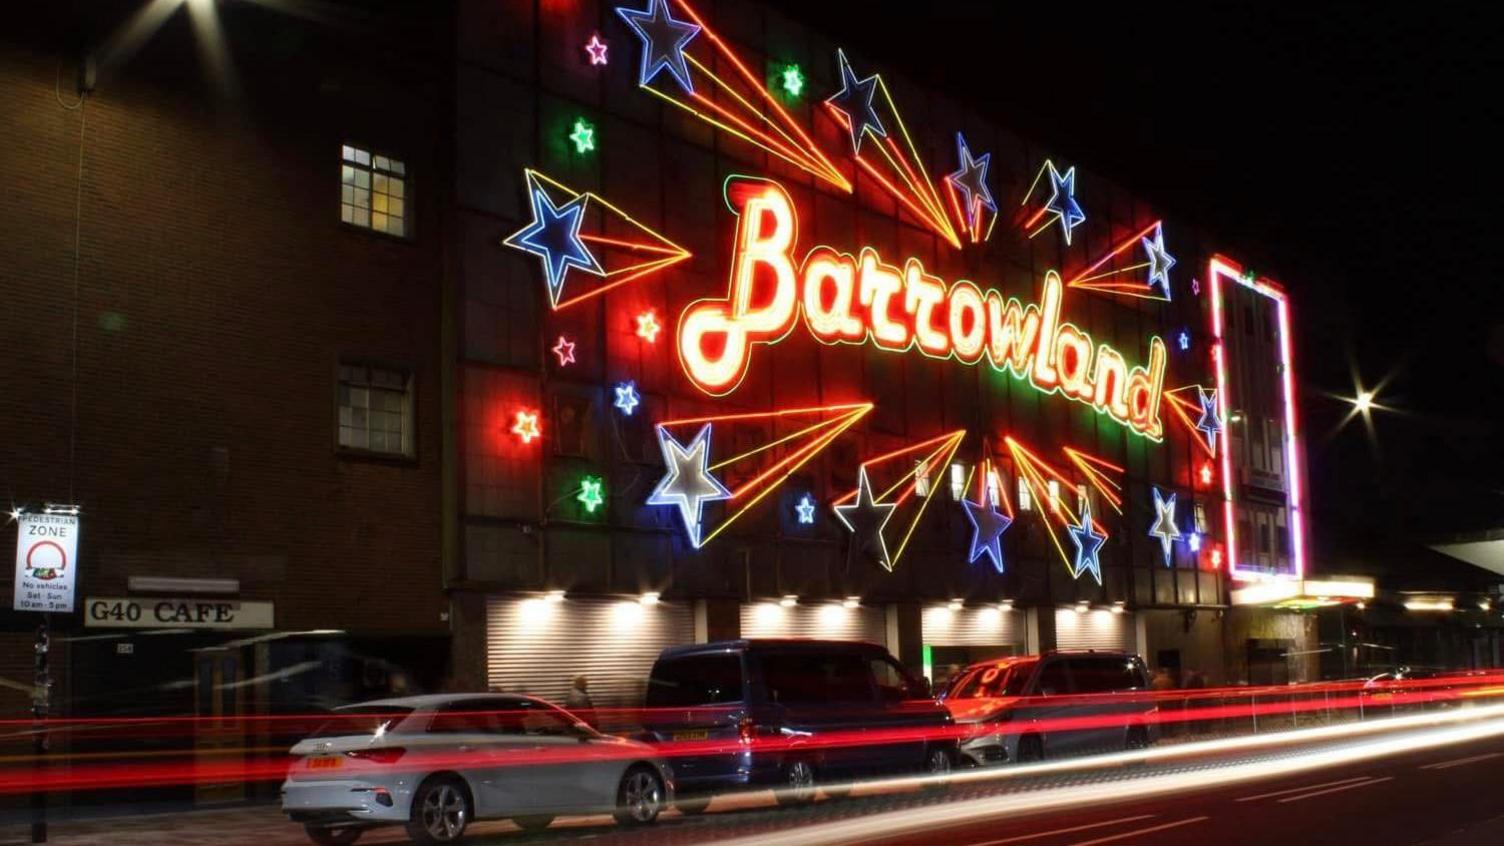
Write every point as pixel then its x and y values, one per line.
pixel 578 698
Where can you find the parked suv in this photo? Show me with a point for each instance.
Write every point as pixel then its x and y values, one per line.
pixel 1008 704
pixel 792 714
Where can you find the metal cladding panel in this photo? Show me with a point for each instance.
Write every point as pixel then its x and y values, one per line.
pixel 826 621
pixel 1095 629
pixel 988 626
pixel 537 647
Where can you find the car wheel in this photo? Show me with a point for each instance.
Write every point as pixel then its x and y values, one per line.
pixel 1030 749
pixel 937 765
pixel 325 835
pixel 798 784
pixel 533 822
pixel 692 806
pixel 441 811
pixel 640 797
pixel 1138 738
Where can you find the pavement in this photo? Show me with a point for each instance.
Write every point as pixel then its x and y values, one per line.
pixel 1433 796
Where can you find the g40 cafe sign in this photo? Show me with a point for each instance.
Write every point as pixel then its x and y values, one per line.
pixel 861 299
pixel 145 613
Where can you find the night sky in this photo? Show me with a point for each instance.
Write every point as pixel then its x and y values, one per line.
pixel 1356 145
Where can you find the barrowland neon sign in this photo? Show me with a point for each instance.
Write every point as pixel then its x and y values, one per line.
pixel 860 299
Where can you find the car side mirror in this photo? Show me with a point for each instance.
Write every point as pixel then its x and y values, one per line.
pixel 922 689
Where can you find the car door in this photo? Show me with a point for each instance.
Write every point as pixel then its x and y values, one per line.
pixel 483 740
pixel 902 720
pixel 825 700
pixel 571 767
pixel 1051 701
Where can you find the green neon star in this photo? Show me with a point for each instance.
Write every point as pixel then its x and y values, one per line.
pixel 583 136
pixel 793 80
pixel 591 495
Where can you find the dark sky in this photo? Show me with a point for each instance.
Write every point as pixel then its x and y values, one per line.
pixel 1363 141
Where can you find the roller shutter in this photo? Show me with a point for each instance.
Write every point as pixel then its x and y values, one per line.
pixel 972 626
pixel 826 621
pixel 537 647
pixel 1096 629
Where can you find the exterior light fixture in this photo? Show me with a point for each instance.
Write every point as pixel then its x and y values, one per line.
pixel 649 598
pixel 955 604
pixel 1082 607
pixel 554 596
pixel 1005 606
pixel 789 600
pixel 1431 604
pixel 1119 607
pixel 851 602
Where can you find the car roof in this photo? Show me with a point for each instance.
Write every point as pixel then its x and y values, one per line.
pixel 758 644
pixel 1013 660
pixel 430 701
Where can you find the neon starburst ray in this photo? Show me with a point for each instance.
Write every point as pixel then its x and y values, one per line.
pixel 937 452
pixel 609 260
pixel 1109 274
pixel 1095 470
pixel 1036 473
pixel 1060 207
pixel 743 106
pixel 1188 413
pixel 791 451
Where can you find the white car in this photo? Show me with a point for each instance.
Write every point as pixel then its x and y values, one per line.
pixel 436 763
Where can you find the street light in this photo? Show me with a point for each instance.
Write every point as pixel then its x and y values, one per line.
pixel 1363 402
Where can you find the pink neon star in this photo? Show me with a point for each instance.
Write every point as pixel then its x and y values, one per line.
pixel 647 326
pixel 597 50
pixel 564 349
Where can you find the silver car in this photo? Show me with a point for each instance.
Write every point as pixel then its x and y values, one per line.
pixel 436 763
pixel 1012 709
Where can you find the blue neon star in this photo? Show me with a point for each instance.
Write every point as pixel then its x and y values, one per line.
pixel 1185 340
pixel 1164 526
pixel 688 483
pixel 1160 261
pixel 663 42
pixel 1209 424
pixel 627 398
pixel 554 236
pixel 987 527
pixel 1088 545
pixel 971 179
pixel 806 509
pixel 854 98
pixel 1062 200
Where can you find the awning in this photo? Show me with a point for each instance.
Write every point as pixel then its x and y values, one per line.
pixel 1305 593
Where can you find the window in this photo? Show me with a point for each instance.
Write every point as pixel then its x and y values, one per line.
pixel 1201 517
pixel 921 479
pixel 364 719
pixel 501 716
pixel 994 486
pixel 957 481
pixel 987 682
pixel 1106 675
pixel 375 410
pixel 1054 488
pixel 893 684
pixel 373 191
pixel 1025 500
pixel 798 678
pixel 696 680
pixel 1054 679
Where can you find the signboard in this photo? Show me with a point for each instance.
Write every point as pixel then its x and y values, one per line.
pixel 159 613
pixel 46 561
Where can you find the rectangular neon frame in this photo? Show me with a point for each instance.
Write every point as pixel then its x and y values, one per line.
pixel 1220 267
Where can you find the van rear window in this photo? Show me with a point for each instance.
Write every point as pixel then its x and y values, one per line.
pixel 800 678
pixel 695 680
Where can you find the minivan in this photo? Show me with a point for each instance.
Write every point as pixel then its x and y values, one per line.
pixel 791 714
pixel 1005 706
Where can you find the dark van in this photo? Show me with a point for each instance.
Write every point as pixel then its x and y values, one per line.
pixel 792 714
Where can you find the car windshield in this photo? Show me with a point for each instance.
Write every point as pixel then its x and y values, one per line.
pixel 363 719
pixel 987 682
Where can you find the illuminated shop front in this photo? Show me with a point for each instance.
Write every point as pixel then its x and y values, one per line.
pixel 804 360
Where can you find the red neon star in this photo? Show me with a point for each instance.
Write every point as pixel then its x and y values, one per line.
pixel 564 349
pixel 647 326
pixel 597 49
pixel 526 426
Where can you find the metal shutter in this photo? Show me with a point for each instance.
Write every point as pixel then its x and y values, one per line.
pixel 972 626
pixel 537 647
pixel 1096 629
pixel 826 621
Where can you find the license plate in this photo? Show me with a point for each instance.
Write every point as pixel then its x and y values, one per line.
pixel 700 734
pixel 326 762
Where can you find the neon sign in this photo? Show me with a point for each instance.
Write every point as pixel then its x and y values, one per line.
pixel 863 300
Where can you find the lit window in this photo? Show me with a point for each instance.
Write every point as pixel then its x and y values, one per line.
pixel 1025 500
pixel 921 479
pixel 1201 517
pixel 373 191
pixel 1054 489
pixel 957 481
pixel 994 486
pixel 375 410
pixel 1081 497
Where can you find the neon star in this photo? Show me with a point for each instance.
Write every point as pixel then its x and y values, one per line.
pixel 591 494
pixel 1062 202
pixel 647 326
pixel 793 80
pixel 865 518
pixel 1160 261
pixel 987 527
pixel 971 180
pixel 554 236
pixel 627 399
pixel 688 483
pixel 525 426
pixel 806 509
pixel 1088 545
pixel 1195 287
pixel 597 49
pixel 854 100
pixel 1185 340
pixel 583 136
pixel 564 350
pixel 663 42
pixel 1209 424
pixel 1164 526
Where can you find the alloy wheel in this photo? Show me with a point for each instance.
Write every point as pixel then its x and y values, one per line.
pixel 642 796
pixel 444 813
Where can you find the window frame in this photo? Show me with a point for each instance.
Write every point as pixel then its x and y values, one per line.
pixel 365 453
pixel 410 214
